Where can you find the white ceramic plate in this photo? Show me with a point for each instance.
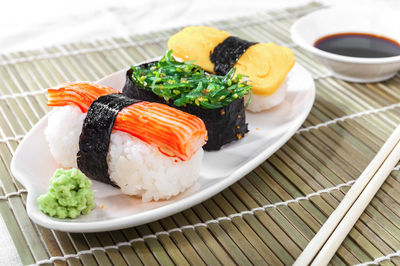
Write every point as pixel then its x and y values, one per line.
pixel 33 165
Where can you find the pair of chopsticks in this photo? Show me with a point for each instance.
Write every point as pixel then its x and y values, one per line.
pixel 323 246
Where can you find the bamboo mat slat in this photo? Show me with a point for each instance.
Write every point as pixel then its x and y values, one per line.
pixel 269 216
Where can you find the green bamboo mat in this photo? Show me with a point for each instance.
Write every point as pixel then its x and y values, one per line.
pixel 268 216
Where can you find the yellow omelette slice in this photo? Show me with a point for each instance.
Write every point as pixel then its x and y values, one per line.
pixel 266 65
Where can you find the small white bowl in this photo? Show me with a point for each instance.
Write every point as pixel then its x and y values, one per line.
pixel 311 27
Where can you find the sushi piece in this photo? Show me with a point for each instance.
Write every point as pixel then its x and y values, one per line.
pixel 265 64
pixel 217 100
pixel 146 149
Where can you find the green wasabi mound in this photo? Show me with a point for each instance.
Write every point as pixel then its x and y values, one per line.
pixel 69 195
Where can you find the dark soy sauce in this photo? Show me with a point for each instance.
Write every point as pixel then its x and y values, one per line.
pixel 358 45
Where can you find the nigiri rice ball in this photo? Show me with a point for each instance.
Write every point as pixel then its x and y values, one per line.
pixel 136 167
pixel 260 103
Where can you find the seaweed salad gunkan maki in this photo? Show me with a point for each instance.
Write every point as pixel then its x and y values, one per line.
pixel 217 100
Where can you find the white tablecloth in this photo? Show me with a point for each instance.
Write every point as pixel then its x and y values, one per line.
pixel 36 24
pixel 45 22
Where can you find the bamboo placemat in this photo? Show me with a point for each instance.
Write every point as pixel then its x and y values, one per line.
pixel 268 216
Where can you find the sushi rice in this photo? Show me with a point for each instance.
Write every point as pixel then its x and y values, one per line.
pixel 260 103
pixel 137 168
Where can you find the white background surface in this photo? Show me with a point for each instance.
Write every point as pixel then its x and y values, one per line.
pixel 36 24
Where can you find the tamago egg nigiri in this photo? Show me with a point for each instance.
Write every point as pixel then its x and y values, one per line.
pixel 265 64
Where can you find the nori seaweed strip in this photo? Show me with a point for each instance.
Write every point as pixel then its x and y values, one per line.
pixel 227 53
pixel 223 125
pixel 94 140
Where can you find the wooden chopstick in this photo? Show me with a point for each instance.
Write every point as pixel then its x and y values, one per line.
pixel 328 239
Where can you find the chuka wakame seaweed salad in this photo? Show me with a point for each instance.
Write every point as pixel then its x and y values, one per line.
pixel 217 100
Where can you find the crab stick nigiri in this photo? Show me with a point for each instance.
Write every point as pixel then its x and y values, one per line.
pixel 146 149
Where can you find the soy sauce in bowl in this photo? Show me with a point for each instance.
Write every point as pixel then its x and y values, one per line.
pixel 358 45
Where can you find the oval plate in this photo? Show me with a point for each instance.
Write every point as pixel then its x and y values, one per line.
pixel 33 164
